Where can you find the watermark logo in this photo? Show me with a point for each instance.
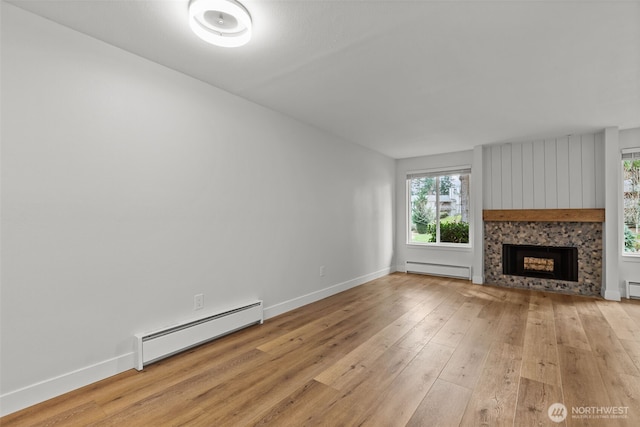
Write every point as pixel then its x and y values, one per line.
pixel 599 412
pixel 557 412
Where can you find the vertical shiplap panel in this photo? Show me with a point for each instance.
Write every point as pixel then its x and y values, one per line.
pixel 496 177
pixel 527 175
pixel 486 179
pixel 575 172
pixel 538 175
pixel 588 171
pixel 562 160
pixel 550 174
pixel 516 176
pixel 506 177
pixel 599 145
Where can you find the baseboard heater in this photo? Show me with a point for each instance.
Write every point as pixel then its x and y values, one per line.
pixel 633 289
pixel 447 270
pixel 159 344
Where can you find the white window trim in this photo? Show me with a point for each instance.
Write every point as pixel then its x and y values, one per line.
pixel 448 246
pixel 626 154
pixel 436 172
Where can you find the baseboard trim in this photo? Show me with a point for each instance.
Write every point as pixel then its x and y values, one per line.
pixel 612 295
pixel 47 389
pixel 300 301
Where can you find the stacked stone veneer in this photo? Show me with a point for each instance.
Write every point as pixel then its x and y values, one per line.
pixel 586 236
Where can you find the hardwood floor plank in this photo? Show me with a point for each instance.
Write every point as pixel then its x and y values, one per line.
pixel 424 330
pixel 374 291
pixel 607 348
pixel 495 396
pixel 156 385
pixel 582 384
pixel 360 358
pixel 298 408
pixel 540 354
pixel 227 403
pixel 541 303
pixel 520 296
pixel 624 392
pixel 632 308
pixel 242 399
pixel 80 414
pixel 443 406
pixel 623 325
pixel 398 402
pixel 454 329
pixel 569 330
pixel 633 350
pixel 294 318
pixel 513 324
pixel 534 400
pixel 156 410
pixel 468 359
pixel 360 396
pixel 489 293
pixel 586 305
pixel 327 325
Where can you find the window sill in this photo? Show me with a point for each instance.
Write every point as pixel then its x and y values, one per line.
pixel 627 257
pixel 445 246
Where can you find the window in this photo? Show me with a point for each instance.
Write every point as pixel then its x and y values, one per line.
pixel 438 207
pixel 631 201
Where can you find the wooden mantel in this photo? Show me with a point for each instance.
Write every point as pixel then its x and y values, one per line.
pixel 544 215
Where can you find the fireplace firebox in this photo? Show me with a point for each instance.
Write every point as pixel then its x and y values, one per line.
pixel 550 262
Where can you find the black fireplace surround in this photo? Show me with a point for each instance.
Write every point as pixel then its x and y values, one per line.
pixel 550 262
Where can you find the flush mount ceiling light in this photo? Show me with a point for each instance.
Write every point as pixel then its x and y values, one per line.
pixel 221 22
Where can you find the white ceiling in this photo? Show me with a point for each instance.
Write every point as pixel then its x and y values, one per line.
pixel 405 78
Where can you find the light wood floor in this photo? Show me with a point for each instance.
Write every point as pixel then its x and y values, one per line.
pixel 401 350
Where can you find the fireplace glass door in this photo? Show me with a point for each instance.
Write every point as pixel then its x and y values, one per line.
pixel 551 262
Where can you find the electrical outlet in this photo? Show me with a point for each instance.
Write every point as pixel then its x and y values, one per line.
pixel 198 301
pixel 322 271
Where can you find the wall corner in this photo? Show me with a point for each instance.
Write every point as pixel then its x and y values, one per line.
pixel 477 184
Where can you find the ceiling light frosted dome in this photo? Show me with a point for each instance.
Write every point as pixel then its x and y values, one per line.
pixel 221 22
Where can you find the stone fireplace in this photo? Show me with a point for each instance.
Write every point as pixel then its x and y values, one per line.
pixel 558 253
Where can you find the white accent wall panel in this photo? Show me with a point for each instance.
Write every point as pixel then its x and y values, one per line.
pixel 555 173
pixel 600 167
pixel 517 197
pixel 562 183
pixel 539 177
pixel 527 175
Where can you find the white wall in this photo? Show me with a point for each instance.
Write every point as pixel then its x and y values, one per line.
pixel 555 173
pixel 429 254
pixel 629 267
pixel 127 188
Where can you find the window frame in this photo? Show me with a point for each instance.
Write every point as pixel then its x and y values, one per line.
pixel 437 172
pixel 626 154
